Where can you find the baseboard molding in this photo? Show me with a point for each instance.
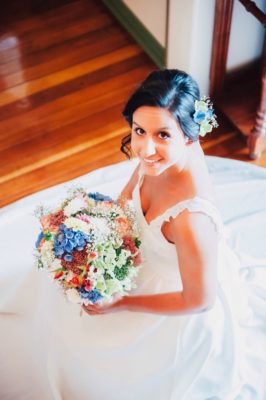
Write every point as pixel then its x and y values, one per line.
pixel 137 30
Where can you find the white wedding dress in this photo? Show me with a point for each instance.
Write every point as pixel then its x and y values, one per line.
pixel 48 351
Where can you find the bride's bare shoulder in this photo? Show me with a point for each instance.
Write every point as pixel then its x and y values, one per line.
pixel 128 189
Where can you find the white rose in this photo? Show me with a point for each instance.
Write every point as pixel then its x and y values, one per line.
pixel 75 205
pixel 73 296
pixel 69 276
pixel 77 224
pixel 100 226
pixel 47 255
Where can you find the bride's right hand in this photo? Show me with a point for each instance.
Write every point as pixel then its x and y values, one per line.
pixel 98 309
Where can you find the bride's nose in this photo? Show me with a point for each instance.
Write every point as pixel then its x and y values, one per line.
pixel 150 147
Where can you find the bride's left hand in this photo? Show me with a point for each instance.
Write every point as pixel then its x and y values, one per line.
pixel 98 309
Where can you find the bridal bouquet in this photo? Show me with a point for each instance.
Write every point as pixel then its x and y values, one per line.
pixel 89 245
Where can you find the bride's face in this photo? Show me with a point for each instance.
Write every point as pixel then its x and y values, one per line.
pixel 157 140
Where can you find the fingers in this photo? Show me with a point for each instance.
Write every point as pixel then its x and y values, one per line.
pixel 99 309
pixel 92 309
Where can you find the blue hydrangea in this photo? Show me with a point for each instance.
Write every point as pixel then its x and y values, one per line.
pixel 199 116
pixel 99 197
pixel 68 240
pixel 91 295
pixel 68 257
pixel 210 113
pixel 38 241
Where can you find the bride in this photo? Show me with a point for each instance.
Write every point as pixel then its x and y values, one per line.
pixel 175 172
pixel 186 332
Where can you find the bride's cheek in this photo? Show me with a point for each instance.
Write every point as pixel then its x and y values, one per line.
pixel 136 144
pixel 134 148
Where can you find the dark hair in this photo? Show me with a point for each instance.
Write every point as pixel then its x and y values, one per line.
pixel 171 89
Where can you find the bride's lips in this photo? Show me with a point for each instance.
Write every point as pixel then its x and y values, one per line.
pixel 151 162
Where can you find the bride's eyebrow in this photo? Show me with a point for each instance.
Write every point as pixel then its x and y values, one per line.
pixel 134 122
pixel 164 127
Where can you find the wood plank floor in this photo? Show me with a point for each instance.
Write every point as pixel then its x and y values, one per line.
pixel 66 69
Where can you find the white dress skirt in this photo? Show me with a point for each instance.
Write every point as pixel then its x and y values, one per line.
pixel 49 351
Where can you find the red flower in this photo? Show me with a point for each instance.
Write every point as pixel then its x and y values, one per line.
pixel 93 254
pixel 75 280
pixel 87 284
pixel 78 258
pixel 58 275
pixel 129 244
pixel 57 219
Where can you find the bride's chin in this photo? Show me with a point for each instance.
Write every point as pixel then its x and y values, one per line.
pixel 152 171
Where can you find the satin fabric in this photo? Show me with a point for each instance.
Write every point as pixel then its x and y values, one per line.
pixel 49 351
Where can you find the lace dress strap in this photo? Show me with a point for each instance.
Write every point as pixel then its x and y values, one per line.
pixel 196 204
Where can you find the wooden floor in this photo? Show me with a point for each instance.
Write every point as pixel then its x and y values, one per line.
pixel 66 69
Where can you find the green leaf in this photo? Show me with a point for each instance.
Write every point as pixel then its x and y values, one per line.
pixel 137 242
pixel 107 276
pixel 118 251
pixel 48 236
pixel 121 273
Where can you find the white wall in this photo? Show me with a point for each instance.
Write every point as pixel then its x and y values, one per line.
pixel 190 31
pixel 152 13
pixel 246 36
pixel 190 38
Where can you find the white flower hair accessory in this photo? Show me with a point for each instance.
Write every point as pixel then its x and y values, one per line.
pixel 204 115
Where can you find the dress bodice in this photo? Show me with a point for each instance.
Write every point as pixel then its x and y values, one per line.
pixel 161 256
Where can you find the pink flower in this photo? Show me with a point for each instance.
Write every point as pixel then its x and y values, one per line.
pixel 45 222
pixel 122 225
pixel 137 260
pixel 51 222
pixel 84 217
pixel 40 244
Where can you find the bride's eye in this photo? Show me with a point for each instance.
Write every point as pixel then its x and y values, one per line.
pixel 164 135
pixel 139 131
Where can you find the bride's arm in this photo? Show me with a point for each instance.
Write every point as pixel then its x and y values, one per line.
pixel 196 241
pixel 126 193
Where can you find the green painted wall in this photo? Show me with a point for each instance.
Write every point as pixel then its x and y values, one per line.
pixel 137 30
